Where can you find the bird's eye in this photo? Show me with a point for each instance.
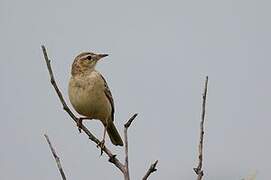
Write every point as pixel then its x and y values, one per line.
pixel 89 57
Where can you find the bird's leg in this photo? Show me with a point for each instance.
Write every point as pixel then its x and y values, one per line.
pixel 79 123
pixel 101 144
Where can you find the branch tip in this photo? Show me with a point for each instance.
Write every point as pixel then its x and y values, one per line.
pixel 198 170
pixel 153 166
pixel 151 169
pixel 128 123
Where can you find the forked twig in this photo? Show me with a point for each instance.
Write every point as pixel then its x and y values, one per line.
pixel 150 170
pixel 126 126
pixel 198 170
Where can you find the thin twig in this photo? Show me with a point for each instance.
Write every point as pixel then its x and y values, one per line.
pixel 198 170
pixel 126 126
pixel 112 158
pixel 56 158
pixel 150 170
pixel 128 123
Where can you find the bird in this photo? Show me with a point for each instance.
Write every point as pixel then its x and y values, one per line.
pixel 90 95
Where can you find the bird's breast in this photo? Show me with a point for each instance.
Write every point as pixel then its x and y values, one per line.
pixel 88 98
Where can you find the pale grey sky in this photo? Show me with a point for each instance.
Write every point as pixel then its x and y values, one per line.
pixel 160 52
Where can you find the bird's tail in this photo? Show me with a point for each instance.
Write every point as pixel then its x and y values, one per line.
pixel 114 134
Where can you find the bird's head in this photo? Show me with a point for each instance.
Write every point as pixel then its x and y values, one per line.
pixel 85 62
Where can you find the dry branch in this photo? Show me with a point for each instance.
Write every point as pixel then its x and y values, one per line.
pixel 150 170
pixel 198 170
pixel 56 158
pixel 126 126
pixel 124 168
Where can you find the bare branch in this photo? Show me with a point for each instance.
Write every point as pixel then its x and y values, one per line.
pixel 198 170
pixel 126 126
pixel 150 170
pixel 56 158
pixel 112 158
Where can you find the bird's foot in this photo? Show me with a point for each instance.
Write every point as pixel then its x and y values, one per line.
pixel 101 145
pixel 79 124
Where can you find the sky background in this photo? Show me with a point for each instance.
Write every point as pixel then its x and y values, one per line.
pixel 160 53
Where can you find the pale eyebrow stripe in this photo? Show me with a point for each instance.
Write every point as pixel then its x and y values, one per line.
pixel 84 54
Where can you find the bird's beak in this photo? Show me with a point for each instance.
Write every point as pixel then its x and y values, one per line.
pixel 100 56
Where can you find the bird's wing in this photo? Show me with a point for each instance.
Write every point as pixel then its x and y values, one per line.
pixel 109 96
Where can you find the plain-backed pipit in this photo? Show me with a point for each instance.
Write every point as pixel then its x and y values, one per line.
pixel 90 95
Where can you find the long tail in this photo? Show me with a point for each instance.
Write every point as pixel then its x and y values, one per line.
pixel 114 134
